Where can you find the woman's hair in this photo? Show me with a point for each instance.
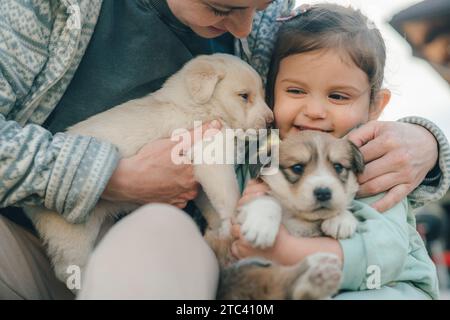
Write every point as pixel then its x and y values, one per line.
pixel 330 26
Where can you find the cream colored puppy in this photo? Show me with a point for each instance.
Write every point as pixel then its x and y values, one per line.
pixel 208 87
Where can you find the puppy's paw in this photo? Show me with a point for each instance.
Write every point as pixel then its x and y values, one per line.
pixel 322 278
pixel 260 232
pixel 262 222
pixel 340 227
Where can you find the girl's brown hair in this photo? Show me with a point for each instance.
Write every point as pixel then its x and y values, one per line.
pixel 330 26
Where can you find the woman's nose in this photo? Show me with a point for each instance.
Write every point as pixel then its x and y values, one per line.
pixel 240 23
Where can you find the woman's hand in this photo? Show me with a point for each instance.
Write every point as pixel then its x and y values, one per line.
pixel 152 176
pixel 398 156
pixel 254 188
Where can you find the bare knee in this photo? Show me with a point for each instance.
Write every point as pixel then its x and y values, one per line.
pixel 162 223
pixel 162 216
pixel 154 243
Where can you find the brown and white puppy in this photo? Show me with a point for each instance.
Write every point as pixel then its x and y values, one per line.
pixel 212 87
pixel 310 195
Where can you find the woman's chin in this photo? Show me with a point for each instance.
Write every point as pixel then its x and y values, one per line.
pixel 208 32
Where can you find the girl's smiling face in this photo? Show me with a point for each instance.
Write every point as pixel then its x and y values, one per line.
pixel 323 90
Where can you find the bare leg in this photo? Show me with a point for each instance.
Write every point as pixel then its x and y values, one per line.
pixel 157 252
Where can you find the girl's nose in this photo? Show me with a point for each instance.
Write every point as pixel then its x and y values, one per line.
pixel 240 23
pixel 314 109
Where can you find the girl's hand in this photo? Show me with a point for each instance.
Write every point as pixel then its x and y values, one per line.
pixel 279 252
pixel 254 188
pixel 398 156
pixel 287 249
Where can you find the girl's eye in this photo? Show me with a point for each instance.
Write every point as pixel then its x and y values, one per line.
pixel 220 13
pixel 339 97
pixel 338 167
pixel 295 91
pixel 298 168
pixel 244 96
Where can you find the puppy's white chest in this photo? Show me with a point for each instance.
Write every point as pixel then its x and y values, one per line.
pixel 301 228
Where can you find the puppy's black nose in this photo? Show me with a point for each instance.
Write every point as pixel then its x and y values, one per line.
pixel 322 194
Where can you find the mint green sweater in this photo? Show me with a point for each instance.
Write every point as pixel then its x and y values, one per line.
pixel 389 245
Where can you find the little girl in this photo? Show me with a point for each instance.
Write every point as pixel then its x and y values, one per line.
pixel 326 74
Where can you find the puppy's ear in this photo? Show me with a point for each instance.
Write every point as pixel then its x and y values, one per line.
pixel 202 78
pixel 357 158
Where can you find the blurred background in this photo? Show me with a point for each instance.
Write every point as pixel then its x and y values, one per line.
pixel 417 36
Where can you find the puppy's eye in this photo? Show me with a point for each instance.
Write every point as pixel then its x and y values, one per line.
pixel 298 168
pixel 338 167
pixel 244 96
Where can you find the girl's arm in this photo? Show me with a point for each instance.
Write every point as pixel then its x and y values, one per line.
pixel 287 250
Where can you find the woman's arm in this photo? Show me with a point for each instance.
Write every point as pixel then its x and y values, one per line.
pixel 68 173
pixel 437 182
pixel 65 173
